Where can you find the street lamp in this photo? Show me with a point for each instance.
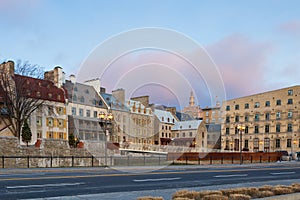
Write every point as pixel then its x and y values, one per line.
pixel 105 122
pixel 241 128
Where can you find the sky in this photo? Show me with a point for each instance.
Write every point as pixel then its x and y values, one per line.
pixel 255 44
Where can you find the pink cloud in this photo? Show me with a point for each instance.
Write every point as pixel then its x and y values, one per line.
pixel 291 27
pixel 242 63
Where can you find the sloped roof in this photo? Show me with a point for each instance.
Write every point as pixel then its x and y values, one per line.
pixel 113 103
pixel 183 116
pixel 79 91
pixel 187 125
pixel 41 89
pixel 164 116
pixel 139 108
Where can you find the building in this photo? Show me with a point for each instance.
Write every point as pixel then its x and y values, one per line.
pixel 141 123
pixel 212 115
pixel 191 133
pixel 46 101
pixel 271 121
pixel 85 105
pixel 163 124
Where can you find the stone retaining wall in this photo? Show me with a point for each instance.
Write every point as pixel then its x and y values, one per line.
pixel 50 153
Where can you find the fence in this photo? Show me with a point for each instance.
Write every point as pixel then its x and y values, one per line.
pixel 137 160
pixel 223 158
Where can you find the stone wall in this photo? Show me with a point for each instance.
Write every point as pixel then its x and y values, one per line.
pixel 50 153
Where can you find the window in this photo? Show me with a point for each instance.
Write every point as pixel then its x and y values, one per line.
pixel 236 131
pixel 206 120
pixel 39 134
pixel 290 101
pixel 278 115
pixel 278 128
pixel 162 135
pixel 277 143
pixel 290 114
pixel 87 91
pixel 256 144
pixel 60 110
pixel 50 122
pixel 256 105
pixel 75 89
pixel 73 111
pixel 191 134
pixel 290 128
pixel 246 144
pixel 177 135
pixel 256 129
pixel 267 144
pixel 290 92
pixel 246 118
pixel 74 98
pixel 227 108
pixel 39 121
pixel 82 99
pixel 162 127
pixel 237 107
pixel 256 117
pixel 61 135
pixel 80 112
pixel 237 118
pixel 267 116
pixel 246 129
pixel 267 128
pixel 88 113
pixel 267 103
pixel 227 119
pixel 278 102
pixel 95 114
pixel 246 105
pixel 168 119
pixel 162 119
pixel 289 143
pixel 60 123
pixel 50 95
pixel 183 134
pixel 227 131
pixel 206 114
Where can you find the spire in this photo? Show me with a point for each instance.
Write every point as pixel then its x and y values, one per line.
pixel 192 99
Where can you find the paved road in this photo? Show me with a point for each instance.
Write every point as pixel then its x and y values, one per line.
pixel 37 183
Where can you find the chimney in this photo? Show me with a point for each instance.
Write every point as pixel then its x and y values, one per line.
pixel 72 78
pixel 119 94
pixel 57 76
pixel 8 67
pixel 94 83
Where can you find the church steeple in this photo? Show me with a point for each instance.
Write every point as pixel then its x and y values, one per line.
pixel 192 99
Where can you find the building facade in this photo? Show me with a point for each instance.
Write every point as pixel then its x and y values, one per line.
pixel 271 121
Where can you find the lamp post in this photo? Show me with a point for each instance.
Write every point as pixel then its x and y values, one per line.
pixel 105 122
pixel 241 128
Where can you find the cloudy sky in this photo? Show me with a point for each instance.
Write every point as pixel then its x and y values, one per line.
pixel 254 44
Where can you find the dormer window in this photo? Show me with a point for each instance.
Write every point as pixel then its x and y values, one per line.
pixel 162 118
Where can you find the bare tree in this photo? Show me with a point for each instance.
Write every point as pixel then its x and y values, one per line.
pixel 18 93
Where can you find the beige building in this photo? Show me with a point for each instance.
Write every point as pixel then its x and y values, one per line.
pixel 271 121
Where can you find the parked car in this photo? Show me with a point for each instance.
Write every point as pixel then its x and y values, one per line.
pixel 285 156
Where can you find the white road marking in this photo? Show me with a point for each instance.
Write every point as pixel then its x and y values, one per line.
pixel 282 173
pixel 230 175
pixel 45 185
pixel 158 179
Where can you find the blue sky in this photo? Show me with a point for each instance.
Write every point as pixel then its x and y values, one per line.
pixel 255 44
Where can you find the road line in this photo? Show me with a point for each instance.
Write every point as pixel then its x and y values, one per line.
pixel 45 185
pixel 282 173
pixel 157 179
pixel 231 175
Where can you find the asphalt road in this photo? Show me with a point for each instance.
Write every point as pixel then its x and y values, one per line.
pixel 37 183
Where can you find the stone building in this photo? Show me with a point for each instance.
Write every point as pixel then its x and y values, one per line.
pixel 85 105
pixel 191 133
pixel 49 120
pixel 163 124
pixel 271 120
